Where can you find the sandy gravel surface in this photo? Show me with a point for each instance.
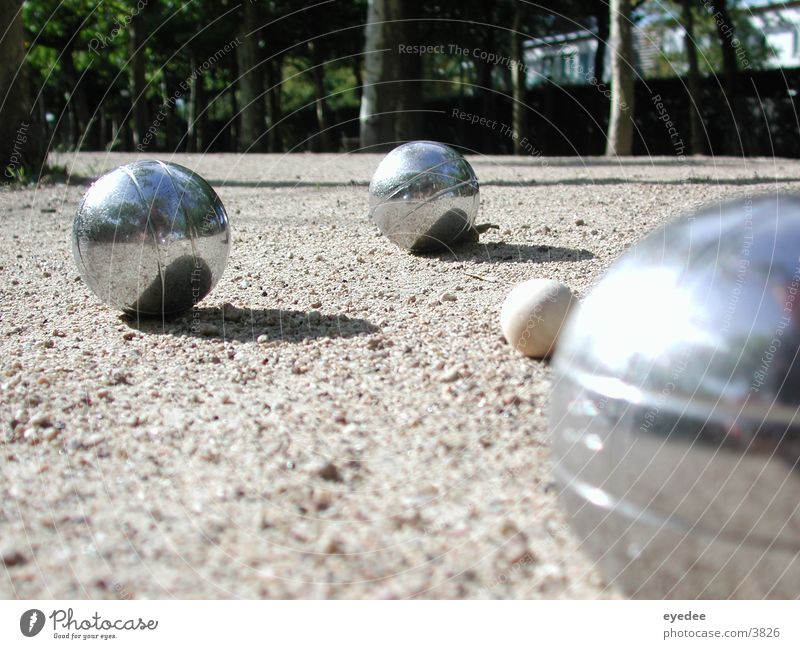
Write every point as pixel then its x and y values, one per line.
pixel 340 430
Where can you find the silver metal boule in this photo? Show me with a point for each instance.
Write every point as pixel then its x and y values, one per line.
pixel 674 414
pixel 151 238
pixel 424 196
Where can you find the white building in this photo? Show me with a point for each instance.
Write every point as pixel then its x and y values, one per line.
pixel 569 58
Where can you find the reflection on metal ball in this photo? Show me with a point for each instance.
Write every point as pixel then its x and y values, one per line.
pixel 675 421
pixel 151 238
pixel 424 196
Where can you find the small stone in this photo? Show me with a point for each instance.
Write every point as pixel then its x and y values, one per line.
pixel 580 222
pixel 316 305
pixel 449 376
pixel 333 546
pixel 330 472
pixel 129 335
pixel 12 557
pixel 41 420
pixel 447 297
pixel 118 377
pixel 263 338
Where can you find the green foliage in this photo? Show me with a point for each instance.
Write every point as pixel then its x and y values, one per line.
pixel 753 49
pixel 80 57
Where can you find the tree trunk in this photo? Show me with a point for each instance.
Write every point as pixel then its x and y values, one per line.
pixel 602 39
pixel 730 70
pixel 252 118
pixel 233 124
pixel 23 140
pixel 370 123
pixel 381 94
pixel 322 141
pixel 138 82
pixel 408 68
pixel 517 81
pixel 274 75
pixel 196 112
pixel 489 139
pixel 359 78
pixel 696 131
pixel 82 138
pixel 620 123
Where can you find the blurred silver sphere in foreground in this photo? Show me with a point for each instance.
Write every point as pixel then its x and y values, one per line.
pixel 424 196
pixel 151 238
pixel 674 415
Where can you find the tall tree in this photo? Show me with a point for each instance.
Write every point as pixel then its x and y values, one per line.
pixel 322 141
pixel 196 115
pixel 620 123
pixel 601 18
pixel 138 82
pixel 382 75
pixel 252 119
pixel 726 33
pixel 22 142
pixel 274 77
pixel 698 140
pixel 518 111
pixel 408 70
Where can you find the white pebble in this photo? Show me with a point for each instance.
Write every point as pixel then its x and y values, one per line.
pixel 532 316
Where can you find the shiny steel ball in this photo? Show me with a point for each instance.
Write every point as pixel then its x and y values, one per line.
pixel 674 415
pixel 151 238
pixel 424 196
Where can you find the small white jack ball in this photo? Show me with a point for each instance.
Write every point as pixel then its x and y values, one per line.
pixel 533 314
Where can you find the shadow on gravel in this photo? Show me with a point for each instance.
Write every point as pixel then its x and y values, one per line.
pixel 496 253
pixel 577 163
pixel 246 325
pixel 520 182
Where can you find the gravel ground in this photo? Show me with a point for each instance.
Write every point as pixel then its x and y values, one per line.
pixel 340 430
